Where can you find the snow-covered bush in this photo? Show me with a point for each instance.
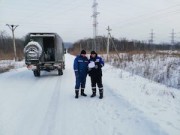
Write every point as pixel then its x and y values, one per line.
pixel 160 67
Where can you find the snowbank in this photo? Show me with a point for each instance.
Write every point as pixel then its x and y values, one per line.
pixel 158 102
pixel 6 65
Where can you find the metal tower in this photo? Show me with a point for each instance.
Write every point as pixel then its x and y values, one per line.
pixel 151 41
pixel 172 37
pixel 95 23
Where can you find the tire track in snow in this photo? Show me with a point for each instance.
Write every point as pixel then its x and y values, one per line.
pixel 49 121
pixel 128 119
pixel 114 115
pixel 25 101
pixel 34 105
pixel 74 117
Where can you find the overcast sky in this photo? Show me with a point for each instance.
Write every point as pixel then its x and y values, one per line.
pixel 71 19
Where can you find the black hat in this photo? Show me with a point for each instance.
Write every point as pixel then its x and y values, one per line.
pixel 83 52
pixel 93 52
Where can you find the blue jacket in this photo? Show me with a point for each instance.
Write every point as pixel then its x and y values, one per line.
pixel 81 65
pixel 99 63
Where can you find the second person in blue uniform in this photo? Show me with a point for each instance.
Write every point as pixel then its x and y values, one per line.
pixel 81 70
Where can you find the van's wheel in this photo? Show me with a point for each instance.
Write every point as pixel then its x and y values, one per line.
pixel 36 73
pixel 60 72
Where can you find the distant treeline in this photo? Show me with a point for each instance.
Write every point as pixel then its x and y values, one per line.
pixel 6 46
pixel 120 45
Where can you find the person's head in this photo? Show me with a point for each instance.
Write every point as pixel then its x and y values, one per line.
pixel 93 54
pixel 83 53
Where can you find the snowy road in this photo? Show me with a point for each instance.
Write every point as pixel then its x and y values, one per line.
pixel 46 106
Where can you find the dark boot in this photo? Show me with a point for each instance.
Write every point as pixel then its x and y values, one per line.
pixel 82 93
pixel 77 94
pixel 101 94
pixel 94 93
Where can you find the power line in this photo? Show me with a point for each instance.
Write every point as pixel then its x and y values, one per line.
pixel 151 18
pixel 131 21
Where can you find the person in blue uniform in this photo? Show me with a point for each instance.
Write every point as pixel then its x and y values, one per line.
pixel 81 70
pixel 95 72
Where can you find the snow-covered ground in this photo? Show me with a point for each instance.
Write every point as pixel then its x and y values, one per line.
pixel 46 106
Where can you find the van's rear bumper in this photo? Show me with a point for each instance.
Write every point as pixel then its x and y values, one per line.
pixel 45 65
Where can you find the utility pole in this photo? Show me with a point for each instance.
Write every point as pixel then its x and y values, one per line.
pixel 80 47
pixel 95 23
pixel 13 27
pixel 108 29
pixel 110 38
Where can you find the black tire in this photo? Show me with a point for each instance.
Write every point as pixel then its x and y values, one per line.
pixel 60 72
pixel 36 73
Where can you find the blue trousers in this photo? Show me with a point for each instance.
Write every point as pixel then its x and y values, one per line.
pixel 80 82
